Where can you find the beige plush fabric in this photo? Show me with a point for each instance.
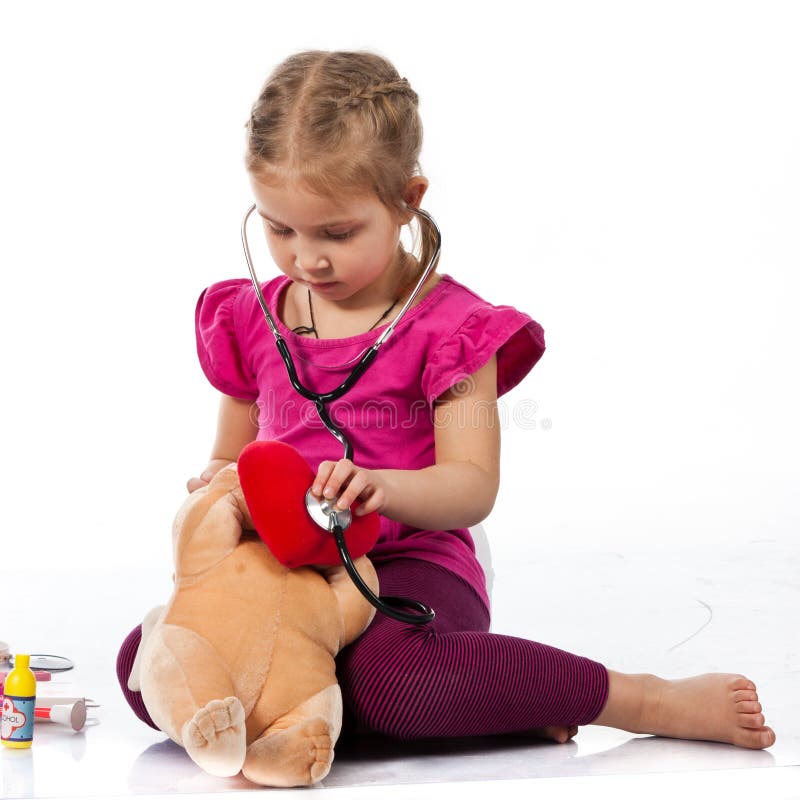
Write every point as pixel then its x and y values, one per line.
pixel 238 667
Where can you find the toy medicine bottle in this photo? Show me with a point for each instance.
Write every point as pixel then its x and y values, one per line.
pixel 19 704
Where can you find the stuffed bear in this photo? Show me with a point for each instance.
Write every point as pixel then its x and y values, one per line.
pixel 238 667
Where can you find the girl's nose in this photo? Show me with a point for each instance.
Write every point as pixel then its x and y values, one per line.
pixel 312 264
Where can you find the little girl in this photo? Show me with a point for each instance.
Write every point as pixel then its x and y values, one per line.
pixel 332 156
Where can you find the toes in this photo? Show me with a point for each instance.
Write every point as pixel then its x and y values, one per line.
pixel 560 733
pixel 740 682
pixel 744 694
pixel 748 707
pixel 556 732
pixel 563 734
pixel 751 720
pixel 756 740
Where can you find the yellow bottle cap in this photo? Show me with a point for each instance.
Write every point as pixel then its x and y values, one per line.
pixel 22 660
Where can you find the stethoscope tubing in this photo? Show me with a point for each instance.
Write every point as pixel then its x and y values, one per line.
pixel 390 606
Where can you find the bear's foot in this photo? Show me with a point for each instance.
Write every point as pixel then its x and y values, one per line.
pixel 296 756
pixel 215 737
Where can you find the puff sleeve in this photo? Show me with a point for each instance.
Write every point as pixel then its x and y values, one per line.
pixel 218 343
pixel 516 338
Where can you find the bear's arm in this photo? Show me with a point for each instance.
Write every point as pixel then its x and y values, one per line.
pixel 357 612
pixel 209 525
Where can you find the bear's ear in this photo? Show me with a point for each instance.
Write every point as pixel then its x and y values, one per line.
pixel 274 478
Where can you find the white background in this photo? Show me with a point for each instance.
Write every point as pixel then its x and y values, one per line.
pixel 625 172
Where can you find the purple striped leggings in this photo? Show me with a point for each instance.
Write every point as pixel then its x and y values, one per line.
pixel 449 678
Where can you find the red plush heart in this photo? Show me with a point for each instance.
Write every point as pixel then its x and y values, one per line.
pixel 274 479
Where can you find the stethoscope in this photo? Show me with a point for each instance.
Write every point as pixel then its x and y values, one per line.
pixel 38 661
pixel 322 512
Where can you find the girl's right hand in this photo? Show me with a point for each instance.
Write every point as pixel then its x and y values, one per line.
pixel 214 466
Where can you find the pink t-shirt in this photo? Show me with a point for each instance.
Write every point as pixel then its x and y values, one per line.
pixel 388 415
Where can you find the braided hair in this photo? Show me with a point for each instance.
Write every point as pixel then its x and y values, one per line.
pixel 342 123
pixel 366 93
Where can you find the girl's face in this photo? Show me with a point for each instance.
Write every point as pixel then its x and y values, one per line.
pixel 350 243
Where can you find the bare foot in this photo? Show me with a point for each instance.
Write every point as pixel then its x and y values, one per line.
pixel 716 707
pixel 558 733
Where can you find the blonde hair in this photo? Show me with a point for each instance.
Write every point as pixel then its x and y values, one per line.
pixel 342 123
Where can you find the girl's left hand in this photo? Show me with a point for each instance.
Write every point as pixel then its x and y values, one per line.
pixel 359 483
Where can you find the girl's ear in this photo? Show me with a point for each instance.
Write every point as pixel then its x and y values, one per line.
pixel 413 193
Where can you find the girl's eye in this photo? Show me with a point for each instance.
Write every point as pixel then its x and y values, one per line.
pixel 283 232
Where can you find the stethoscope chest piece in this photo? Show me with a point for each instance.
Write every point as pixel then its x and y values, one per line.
pixel 320 511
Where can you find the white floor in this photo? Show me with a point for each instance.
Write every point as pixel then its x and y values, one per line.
pixel 675 613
